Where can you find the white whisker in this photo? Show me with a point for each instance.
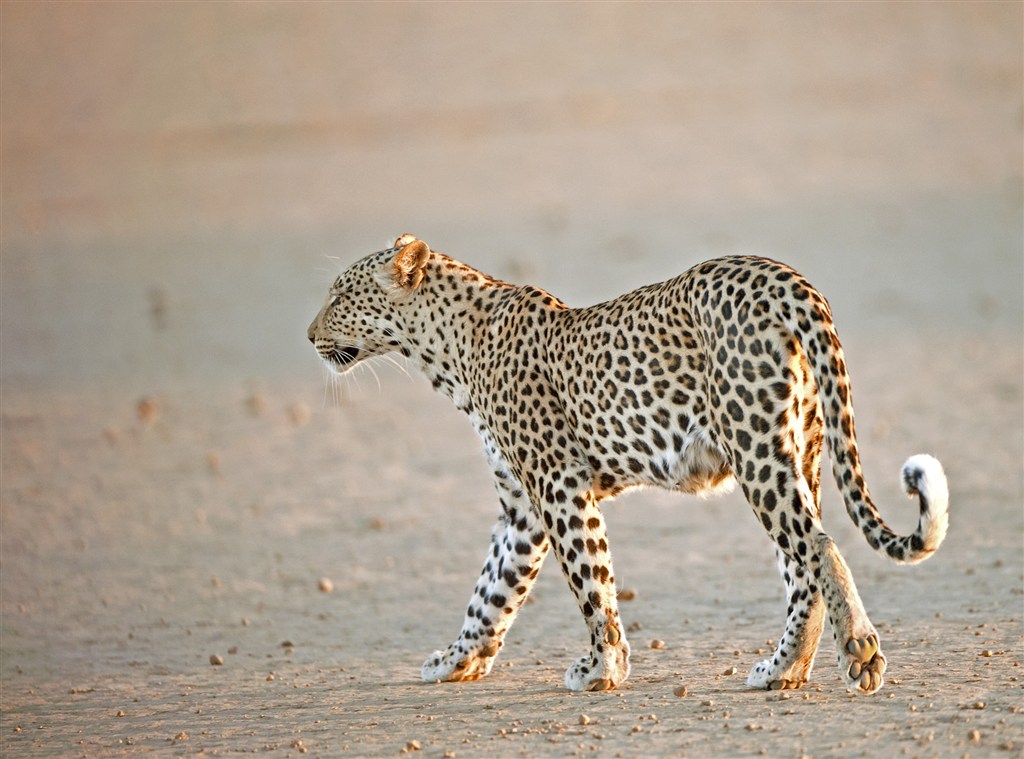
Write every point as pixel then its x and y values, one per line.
pixel 325 373
pixel 394 362
pixel 370 369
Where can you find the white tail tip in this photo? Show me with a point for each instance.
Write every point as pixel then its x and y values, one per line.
pixel 922 476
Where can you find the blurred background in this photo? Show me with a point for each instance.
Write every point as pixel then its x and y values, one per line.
pixel 181 181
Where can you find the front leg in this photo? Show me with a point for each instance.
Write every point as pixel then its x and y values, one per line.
pixel 577 531
pixel 518 547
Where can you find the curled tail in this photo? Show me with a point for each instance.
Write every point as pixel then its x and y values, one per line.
pixel 922 476
pixel 808 318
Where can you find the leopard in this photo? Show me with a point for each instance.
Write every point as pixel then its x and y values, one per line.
pixel 729 374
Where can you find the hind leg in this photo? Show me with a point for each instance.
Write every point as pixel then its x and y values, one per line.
pixel 798 535
pixel 861 662
pixel 790 665
pixel 813 562
pixel 774 455
pixel 816 577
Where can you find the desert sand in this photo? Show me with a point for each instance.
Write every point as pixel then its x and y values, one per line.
pixel 208 547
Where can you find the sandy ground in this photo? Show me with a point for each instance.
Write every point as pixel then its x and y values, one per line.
pixel 176 477
pixel 136 550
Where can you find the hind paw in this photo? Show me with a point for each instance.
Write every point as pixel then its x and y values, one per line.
pixel 766 676
pixel 864 664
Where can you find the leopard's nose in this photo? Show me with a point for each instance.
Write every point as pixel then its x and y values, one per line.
pixel 310 333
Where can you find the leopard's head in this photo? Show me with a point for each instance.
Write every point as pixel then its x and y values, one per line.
pixel 363 316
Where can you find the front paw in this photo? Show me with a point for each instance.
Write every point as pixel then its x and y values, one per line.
pixel 456 664
pixel 608 672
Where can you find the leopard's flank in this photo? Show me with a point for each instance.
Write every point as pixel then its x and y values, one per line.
pixel 730 372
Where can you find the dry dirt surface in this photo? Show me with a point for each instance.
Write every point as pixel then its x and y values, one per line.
pixel 206 548
pixel 320 553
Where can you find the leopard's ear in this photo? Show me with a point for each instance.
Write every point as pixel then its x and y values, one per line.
pixel 411 263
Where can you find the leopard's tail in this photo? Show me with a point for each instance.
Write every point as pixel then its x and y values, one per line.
pixel 809 319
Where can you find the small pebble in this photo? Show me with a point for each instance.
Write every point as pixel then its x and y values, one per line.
pixel 974 736
pixel 413 745
pixel 325 584
pixel 730 671
pixel 148 410
pixel 299 414
pixel 978 705
pixel 627 594
pixel 256 403
pixel 657 644
pixel 584 719
pixel 216 660
pixel 680 691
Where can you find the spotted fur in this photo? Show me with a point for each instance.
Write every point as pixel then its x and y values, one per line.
pixel 731 372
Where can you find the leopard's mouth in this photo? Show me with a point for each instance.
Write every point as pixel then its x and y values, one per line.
pixel 341 358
